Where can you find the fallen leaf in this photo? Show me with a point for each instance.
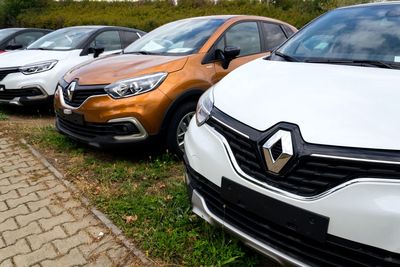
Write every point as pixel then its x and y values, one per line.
pixel 168 198
pixel 130 218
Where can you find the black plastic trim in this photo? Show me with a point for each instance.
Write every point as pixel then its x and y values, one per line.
pixel 332 252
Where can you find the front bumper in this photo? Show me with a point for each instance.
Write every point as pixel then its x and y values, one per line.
pixel 201 209
pixel 114 132
pixel 26 96
pixel 145 111
pixel 19 89
pixel 363 216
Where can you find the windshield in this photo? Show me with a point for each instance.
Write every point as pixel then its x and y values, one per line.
pixel 6 32
pixel 63 39
pixel 182 37
pixel 357 34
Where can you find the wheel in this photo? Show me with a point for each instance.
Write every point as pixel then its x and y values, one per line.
pixel 178 126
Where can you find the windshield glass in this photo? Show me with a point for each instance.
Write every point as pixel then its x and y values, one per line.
pixel 63 39
pixel 182 37
pixel 6 32
pixel 363 33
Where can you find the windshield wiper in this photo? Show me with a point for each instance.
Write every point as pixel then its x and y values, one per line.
pixel 286 57
pixel 142 53
pixel 356 62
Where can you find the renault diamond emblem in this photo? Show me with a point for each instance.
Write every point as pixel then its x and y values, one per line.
pixel 278 150
pixel 70 90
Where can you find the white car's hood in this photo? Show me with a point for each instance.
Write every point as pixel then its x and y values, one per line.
pixel 25 57
pixel 332 104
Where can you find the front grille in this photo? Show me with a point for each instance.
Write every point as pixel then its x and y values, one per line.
pixel 92 130
pixel 310 176
pixel 13 93
pixel 5 72
pixel 334 251
pixel 82 93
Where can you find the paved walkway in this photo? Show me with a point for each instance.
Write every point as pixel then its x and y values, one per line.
pixel 43 224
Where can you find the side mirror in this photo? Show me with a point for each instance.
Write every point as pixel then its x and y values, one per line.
pixel 226 56
pixel 95 51
pixel 14 46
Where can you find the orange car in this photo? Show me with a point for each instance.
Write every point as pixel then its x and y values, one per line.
pixel 152 88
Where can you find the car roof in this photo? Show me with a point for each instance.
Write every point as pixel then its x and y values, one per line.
pixel 391 3
pixel 23 29
pixel 240 17
pixel 98 27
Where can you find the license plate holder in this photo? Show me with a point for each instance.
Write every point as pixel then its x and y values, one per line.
pixel 304 222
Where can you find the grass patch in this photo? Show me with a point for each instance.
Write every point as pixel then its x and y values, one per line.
pixel 147 199
pixel 3 114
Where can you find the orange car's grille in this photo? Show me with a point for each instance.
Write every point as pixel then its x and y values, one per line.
pixel 81 93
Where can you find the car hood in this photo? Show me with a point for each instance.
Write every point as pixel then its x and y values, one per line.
pixel 25 57
pixel 114 68
pixel 332 104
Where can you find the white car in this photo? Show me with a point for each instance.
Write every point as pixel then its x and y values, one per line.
pixel 30 76
pixel 298 154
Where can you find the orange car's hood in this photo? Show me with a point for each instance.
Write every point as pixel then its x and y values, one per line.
pixel 114 68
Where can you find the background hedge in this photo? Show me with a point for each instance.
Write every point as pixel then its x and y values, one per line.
pixel 147 15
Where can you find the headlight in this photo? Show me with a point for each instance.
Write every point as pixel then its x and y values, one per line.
pixel 38 67
pixel 204 107
pixel 135 86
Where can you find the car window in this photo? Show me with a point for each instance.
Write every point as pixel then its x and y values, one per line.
pixel 360 33
pixel 63 39
pixel 274 35
pixel 109 40
pixel 5 33
pixel 288 30
pixel 129 37
pixel 182 37
pixel 26 38
pixel 244 35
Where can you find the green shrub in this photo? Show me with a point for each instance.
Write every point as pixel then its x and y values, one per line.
pixel 11 9
pixel 147 15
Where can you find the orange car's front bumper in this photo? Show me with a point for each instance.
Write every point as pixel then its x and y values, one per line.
pixel 101 120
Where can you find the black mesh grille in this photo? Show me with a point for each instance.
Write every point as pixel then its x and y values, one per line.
pixel 311 175
pixel 82 93
pixel 12 93
pixel 92 130
pixel 334 251
pixel 5 72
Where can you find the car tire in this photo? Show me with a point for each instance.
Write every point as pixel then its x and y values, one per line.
pixel 178 126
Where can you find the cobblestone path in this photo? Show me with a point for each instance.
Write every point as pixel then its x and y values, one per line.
pixel 43 223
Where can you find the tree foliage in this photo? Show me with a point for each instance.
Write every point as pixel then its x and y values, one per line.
pixel 147 15
pixel 11 9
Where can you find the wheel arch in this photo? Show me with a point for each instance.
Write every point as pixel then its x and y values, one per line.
pixel 186 97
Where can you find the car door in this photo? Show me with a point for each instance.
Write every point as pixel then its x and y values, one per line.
pixel 245 35
pixel 109 40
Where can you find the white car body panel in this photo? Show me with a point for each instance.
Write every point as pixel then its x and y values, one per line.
pixel 47 80
pixel 328 102
pixel 359 208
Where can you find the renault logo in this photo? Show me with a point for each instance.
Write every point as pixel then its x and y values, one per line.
pixel 70 90
pixel 278 150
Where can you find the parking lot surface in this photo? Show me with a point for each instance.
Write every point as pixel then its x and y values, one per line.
pixel 44 223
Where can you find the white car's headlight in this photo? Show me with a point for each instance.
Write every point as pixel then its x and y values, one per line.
pixel 205 106
pixel 38 67
pixel 135 86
